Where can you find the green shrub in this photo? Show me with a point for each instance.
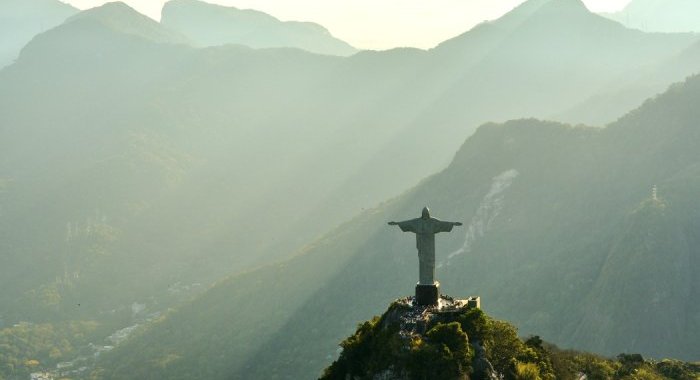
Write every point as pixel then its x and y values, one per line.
pixel 527 371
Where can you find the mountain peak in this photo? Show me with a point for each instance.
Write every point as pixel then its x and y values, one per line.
pixel 418 342
pixel 197 4
pixel 108 10
pixel 121 17
pixel 555 16
pixel 214 25
pixel 564 8
pixel 576 4
pixel 12 7
pixel 552 8
pixel 669 16
pixel 23 19
pixel 521 13
pixel 532 23
pixel 409 342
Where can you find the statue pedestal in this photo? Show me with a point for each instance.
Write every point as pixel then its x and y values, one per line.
pixel 427 295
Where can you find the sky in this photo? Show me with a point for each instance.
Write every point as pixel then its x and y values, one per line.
pixel 375 24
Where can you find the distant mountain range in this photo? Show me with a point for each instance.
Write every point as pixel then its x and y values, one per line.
pixel 188 21
pixel 213 25
pixel 556 47
pixel 670 16
pixel 121 18
pixel 20 20
pixel 122 83
pixel 134 123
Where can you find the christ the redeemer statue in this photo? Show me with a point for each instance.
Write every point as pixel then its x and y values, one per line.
pixel 425 229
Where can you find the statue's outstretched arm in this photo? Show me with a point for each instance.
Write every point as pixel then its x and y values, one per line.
pixel 443 226
pixel 406 225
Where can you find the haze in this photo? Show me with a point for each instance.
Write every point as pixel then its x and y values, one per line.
pixel 384 25
pixel 206 196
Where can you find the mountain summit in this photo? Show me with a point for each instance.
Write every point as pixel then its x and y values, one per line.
pixel 458 341
pixel 670 16
pixel 122 18
pixel 101 31
pixel 212 25
pixel 420 342
pixel 20 20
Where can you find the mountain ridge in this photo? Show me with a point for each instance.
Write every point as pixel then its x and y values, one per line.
pixel 672 16
pixel 120 16
pixel 20 21
pixel 211 25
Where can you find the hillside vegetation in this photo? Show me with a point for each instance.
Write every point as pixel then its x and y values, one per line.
pixel 560 230
pixel 468 344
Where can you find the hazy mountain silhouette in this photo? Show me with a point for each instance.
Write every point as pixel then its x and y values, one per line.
pixel 150 140
pixel 20 20
pixel 132 161
pixel 669 16
pixel 561 48
pixel 161 124
pixel 122 18
pixel 96 160
pixel 213 25
pixel 632 90
pixel 540 60
pixel 560 231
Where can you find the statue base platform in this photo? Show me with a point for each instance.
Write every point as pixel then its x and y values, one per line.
pixel 427 295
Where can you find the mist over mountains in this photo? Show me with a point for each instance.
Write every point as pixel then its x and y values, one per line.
pixel 212 25
pixel 20 20
pixel 142 158
pixel 669 16
pixel 617 277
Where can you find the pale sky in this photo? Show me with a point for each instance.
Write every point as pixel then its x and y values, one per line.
pixel 375 24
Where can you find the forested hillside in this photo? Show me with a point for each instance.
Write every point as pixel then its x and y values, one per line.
pixel 561 229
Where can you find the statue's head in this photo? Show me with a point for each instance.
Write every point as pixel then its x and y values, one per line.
pixel 426 213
